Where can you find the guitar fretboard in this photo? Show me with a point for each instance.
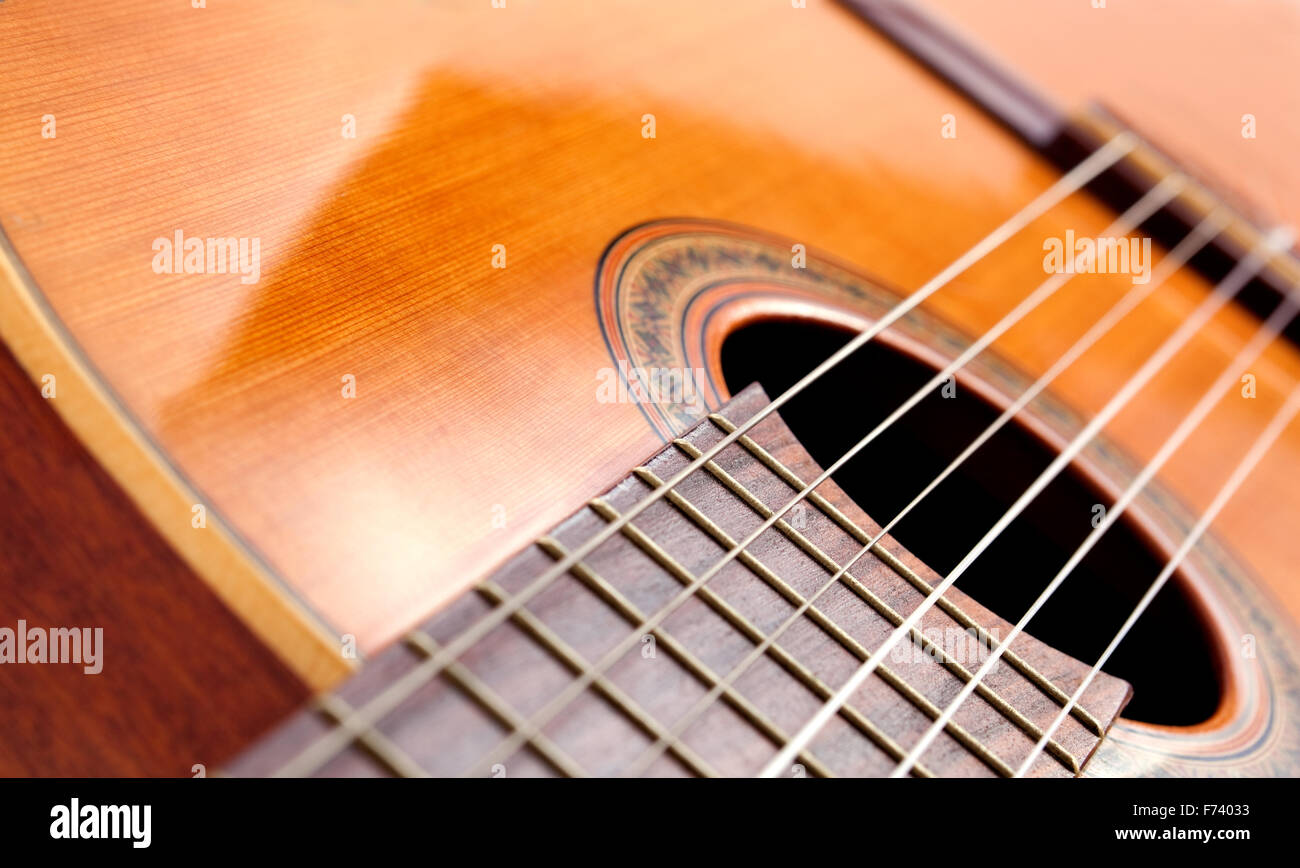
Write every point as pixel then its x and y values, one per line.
pixel 587 676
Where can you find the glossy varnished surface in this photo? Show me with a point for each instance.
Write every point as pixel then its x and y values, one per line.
pixel 476 387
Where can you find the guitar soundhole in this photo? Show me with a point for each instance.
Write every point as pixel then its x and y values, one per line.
pixel 1167 657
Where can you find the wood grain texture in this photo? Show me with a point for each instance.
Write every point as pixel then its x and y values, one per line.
pixel 479 127
pixel 183 681
pixel 446 728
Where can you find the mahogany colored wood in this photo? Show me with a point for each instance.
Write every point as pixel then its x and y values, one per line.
pixel 182 681
pixel 432 729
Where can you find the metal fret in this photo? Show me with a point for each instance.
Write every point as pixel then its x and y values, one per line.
pixel 565 653
pixel 488 698
pixel 954 611
pixel 322 750
pixel 380 746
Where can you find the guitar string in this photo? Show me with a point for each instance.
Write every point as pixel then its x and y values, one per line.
pixel 1253 456
pixel 332 743
pixel 1230 375
pixel 1148 204
pixel 1172 262
pixel 1231 284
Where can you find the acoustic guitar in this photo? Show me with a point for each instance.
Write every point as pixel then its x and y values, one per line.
pixel 513 388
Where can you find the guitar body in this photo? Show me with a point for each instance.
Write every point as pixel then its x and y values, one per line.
pixel 465 224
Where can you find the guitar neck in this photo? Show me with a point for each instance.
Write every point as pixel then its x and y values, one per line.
pixel 629 664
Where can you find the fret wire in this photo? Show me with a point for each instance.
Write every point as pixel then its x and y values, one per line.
pixel 1042 682
pixel 380 746
pixel 575 662
pixel 324 749
pixel 627 610
pixel 826 623
pixel 474 687
pixel 826 562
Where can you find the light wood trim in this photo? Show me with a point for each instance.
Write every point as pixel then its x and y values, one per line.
pixel 214 553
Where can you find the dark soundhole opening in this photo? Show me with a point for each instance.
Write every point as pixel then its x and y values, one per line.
pixel 1166 657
